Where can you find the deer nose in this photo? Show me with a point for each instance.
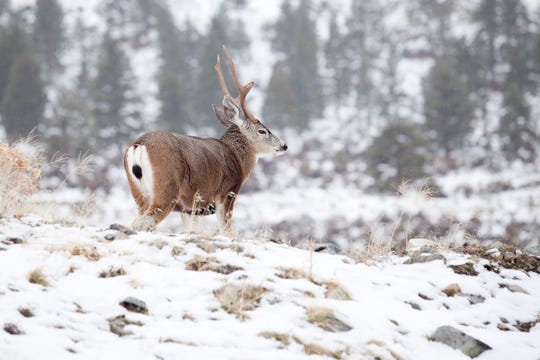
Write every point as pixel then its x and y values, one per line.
pixel 284 147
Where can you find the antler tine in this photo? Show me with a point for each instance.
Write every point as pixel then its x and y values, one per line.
pixel 243 89
pixel 219 72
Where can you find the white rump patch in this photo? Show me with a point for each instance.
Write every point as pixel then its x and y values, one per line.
pixel 138 155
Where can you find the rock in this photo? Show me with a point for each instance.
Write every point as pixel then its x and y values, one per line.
pixel 12 329
pixel 123 229
pixel 134 305
pixel 458 340
pixel 13 241
pixel 422 245
pixel 464 269
pixel 533 250
pixel 452 290
pixel 503 327
pixel 110 236
pixel 424 258
pixel 514 288
pixel 328 248
pixel 475 299
pixel 497 245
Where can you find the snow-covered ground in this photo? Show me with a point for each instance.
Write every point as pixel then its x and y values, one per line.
pixel 383 309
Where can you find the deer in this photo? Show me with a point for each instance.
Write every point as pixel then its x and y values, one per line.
pixel 168 171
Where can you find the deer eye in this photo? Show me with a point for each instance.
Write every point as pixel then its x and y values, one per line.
pixel 262 132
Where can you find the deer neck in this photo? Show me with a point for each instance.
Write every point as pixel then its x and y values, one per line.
pixel 241 148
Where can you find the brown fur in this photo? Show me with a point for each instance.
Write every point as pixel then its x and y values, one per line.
pixel 191 172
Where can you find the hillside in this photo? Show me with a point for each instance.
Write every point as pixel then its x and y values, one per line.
pixel 65 294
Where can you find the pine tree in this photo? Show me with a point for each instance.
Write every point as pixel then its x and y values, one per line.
pixel 447 108
pixel 48 34
pixel 71 128
pixel 116 105
pixel 281 107
pixel 515 128
pixel 24 98
pixel 13 42
pixel 335 51
pixel 396 155
pixel 364 43
pixel 295 36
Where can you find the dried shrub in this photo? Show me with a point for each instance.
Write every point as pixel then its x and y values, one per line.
pixel 89 252
pixel 326 320
pixel 279 337
pixel 236 299
pixel 37 277
pixel 21 177
pixel 336 291
pixel 199 263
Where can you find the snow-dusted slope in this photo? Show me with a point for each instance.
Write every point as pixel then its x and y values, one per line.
pixel 392 311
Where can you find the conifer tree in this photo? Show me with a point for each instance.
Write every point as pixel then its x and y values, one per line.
pixel 24 98
pixel 48 34
pixel 295 36
pixel 116 104
pixel 396 155
pixel 281 107
pixel 448 109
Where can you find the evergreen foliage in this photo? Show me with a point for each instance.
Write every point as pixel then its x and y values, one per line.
pixel 281 107
pixel 48 35
pixel 398 154
pixel 24 98
pixel 447 107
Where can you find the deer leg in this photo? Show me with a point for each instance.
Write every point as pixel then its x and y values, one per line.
pixel 226 215
pixel 152 217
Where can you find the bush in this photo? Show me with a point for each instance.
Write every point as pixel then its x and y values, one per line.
pixel 21 177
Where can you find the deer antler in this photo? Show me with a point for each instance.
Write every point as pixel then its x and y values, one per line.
pixel 242 89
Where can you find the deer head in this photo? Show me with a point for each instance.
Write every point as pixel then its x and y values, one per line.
pixel 235 113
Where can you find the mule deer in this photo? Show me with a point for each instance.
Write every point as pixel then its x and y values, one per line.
pixel 168 171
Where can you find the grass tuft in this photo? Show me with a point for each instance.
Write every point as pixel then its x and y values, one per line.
pixel 236 299
pixel 89 252
pixel 37 277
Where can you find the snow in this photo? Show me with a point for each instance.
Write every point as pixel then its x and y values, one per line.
pixel 185 319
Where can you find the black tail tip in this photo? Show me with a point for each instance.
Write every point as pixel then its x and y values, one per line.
pixel 137 171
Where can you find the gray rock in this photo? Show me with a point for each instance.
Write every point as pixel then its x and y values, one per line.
pixel 12 329
pixel 134 305
pixel 475 299
pixel 533 250
pixel 515 288
pixel 424 258
pixel 122 229
pixel 458 340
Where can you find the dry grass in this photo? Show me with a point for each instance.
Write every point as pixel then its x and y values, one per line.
pixel 326 320
pixel 112 272
pixel 336 291
pixel 199 263
pixel 314 349
pixel 284 339
pixel 37 277
pixel 21 177
pixel 237 299
pixel 292 273
pixel 89 252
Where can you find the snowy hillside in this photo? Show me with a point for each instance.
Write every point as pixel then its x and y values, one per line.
pixel 70 292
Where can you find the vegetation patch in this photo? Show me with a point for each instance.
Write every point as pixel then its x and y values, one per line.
pixel 199 263
pixel 336 291
pixel 112 272
pixel 237 299
pixel 89 252
pixel 464 269
pixel 37 277
pixel 508 257
pixel 315 349
pixel 282 338
pixel 326 320
pixel 27 313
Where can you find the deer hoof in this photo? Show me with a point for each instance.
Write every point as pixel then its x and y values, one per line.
pixel 144 223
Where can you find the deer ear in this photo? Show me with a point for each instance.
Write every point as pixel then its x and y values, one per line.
pixel 232 111
pixel 221 115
